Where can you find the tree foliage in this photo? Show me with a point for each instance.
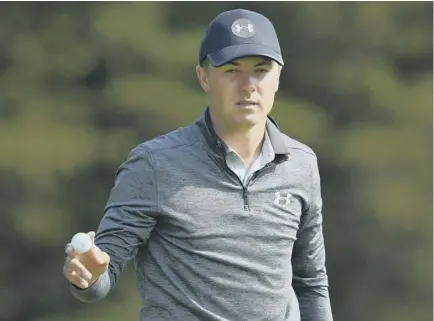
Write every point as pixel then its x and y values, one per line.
pixel 83 83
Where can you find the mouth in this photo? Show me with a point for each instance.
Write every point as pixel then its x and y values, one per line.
pixel 246 103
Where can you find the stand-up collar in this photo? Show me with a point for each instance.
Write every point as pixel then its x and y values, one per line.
pixel 216 145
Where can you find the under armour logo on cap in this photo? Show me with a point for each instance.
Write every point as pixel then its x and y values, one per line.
pixel 243 28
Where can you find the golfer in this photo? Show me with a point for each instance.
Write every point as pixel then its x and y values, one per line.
pixel 223 217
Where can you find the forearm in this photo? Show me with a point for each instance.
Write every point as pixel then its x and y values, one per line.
pixel 314 303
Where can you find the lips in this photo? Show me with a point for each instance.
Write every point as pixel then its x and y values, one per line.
pixel 246 103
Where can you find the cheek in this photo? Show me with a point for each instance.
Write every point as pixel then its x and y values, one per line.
pixel 222 91
pixel 274 84
pixel 269 88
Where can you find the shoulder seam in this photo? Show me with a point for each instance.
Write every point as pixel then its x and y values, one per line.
pixel 303 150
pixel 163 148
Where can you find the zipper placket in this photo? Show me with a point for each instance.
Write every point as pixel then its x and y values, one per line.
pixel 245 187
pixel 249 182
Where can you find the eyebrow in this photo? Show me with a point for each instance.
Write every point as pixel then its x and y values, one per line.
pixel 265 62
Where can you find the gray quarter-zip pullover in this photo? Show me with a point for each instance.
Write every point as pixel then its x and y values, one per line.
pixel 208 247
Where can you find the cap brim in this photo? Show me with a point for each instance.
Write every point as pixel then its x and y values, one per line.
pixel 221 57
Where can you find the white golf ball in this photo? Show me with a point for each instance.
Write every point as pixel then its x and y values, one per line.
pixel 81 242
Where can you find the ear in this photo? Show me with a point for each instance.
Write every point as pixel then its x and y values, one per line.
pixel 202 76
pixel 278 78
pixel 277 83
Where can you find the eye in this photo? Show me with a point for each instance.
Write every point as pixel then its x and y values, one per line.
pixel 262 70
pixel 229 71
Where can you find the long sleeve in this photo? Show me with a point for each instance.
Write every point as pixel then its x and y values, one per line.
pixel 129 218
pixel 310 280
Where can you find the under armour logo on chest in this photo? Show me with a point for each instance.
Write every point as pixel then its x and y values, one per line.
pixel 282 198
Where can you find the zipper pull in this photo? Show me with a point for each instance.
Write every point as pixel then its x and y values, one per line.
pixel 246 200
pixel 221 148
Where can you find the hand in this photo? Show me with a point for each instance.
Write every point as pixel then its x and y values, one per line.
pixel 84 269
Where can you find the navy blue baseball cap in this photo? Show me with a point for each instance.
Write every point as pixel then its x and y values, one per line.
pixel 239 33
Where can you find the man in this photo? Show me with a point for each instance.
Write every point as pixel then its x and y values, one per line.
pixel 223 217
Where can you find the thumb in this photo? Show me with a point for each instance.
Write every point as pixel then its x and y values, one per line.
pixel 99 256
pixel 95 252
pixel 92 236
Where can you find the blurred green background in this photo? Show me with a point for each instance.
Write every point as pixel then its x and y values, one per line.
pixel 82 83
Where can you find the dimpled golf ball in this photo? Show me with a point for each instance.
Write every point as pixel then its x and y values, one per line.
pixel 81 242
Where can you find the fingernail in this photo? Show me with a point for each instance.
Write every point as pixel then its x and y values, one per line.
pixel 68 249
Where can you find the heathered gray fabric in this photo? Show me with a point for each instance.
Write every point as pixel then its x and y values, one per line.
pixel 202 253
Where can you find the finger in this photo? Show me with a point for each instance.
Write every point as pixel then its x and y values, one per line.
pixel 92 236
pixel 76 266
pixel 66 271
pixel 77 280
pixel 73 272
pixel 69 250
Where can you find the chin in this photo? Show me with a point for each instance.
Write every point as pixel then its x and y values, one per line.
pixel 249 119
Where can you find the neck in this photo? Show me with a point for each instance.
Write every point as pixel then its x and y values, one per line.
pixel 246 142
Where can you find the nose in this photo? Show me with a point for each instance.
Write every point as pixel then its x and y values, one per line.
pixel 248 83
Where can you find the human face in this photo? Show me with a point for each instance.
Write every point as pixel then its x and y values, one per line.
pixel 241 93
